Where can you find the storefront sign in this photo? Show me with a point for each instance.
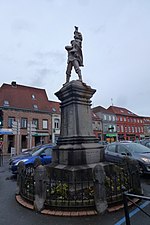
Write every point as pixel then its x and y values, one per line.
pixel 41 134
pixel 111 135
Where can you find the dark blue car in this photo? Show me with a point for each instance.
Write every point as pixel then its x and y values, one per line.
pixel 44 153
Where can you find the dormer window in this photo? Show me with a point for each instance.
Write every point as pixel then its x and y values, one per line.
pixel 35 107
pixel 53 109
pixel 33 96
pixel 6 103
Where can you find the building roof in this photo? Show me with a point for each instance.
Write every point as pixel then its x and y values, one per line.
pixel 95 117
pixel 101 109
pixel 120 111
pixel 54 107
pixel 23 97
pixel 146 120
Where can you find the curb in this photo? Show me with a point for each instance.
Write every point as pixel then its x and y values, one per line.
pixel 22 202
pixel 28 205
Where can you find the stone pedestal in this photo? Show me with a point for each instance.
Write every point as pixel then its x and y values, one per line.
pixel 77 151
pixel 76 145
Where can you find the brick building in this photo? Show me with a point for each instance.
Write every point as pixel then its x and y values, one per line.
pixel 32 112
pixel 97 126
pixel 146 124
pixel 129 125
pixel 54 108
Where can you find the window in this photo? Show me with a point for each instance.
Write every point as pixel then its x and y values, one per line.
pixel 1 118
pixel 135 129
pixel 109 118
pixel 33 96
pixel 36 123
pixel 53 109
pixel 105 117
pixel 114 128
pixel 120 118
pixel 45 124
pixel 113 118
pixel 111 128
pixel 10 121
pixel 132 129
pixel 122 129
pixel 105 128
pixel 47 151
pixel 124 119
pixel 24 122
pixel 147 144
pixel 111 148
pixel 6 103
pixel 56 123
pixel 129 129
pixel 122 150
pixel 118 129
pixel 35 107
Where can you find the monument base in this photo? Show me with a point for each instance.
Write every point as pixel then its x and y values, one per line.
pixel 82 186
pixel 78 154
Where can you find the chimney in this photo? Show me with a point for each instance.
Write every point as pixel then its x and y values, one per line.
pixel 13 83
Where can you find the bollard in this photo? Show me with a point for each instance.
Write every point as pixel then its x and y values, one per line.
pixel 40 177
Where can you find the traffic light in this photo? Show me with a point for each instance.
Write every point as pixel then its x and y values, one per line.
pixel 1 118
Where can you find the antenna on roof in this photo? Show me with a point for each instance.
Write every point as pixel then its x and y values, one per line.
pixel 112 101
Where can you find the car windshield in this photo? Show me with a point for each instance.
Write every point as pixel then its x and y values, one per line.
pixel 137 148
pixel 39 151
pixel 35 149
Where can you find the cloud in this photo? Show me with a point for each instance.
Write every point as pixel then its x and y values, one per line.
pixel 34 62
pixel 53 56
pixel 100 29
pixel 42 76
pixel 21 25
pixel 121 100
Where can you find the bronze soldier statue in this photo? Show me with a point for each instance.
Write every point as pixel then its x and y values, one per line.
pixel 75 57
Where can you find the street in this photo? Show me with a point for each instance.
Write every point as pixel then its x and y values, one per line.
pixel 13 213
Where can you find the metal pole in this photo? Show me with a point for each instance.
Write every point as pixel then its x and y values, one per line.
pixel 18 137
pixel 30 134
pixel 126 211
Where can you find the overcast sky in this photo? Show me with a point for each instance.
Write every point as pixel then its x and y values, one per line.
pixel 116 47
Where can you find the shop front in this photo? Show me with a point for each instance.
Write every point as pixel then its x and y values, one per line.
pixel 41 138
pixel 110 137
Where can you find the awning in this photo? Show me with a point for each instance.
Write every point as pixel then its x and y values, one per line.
pixel 6 131
pixel 111 135
pixel 40 134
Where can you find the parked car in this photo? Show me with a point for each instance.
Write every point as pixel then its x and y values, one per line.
pixel 104 143
pixel 115 152
pixel 146 142
pixel 26 152
pixel 44 153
